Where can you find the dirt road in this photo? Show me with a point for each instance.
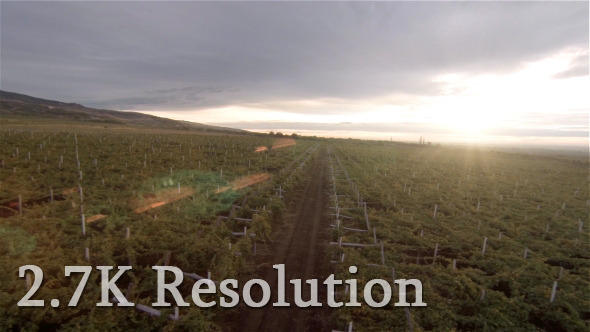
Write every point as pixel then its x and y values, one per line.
pixel 300 244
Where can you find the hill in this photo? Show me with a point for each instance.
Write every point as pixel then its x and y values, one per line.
pixel 19 105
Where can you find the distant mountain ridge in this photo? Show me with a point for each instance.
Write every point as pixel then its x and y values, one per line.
pixel 16 104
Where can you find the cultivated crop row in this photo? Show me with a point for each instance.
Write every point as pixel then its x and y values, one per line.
pixel 139 199
pixel 499 240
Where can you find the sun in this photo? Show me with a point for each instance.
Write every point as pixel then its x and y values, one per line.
pixel 468 121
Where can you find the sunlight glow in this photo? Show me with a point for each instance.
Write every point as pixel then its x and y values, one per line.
pixel 468 105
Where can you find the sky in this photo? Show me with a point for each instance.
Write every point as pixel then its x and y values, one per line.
pixel 503 73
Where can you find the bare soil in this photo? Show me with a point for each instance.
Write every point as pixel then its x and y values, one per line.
pixel 300 244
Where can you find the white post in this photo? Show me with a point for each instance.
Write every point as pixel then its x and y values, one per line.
pixel 435 253
pixel 83 226
pixel 454 264
pixel 375 234
pixel 485 242
pixel 127 233
pixel 435 209
pixel 382 254
pixel 553 290
pixel 366 216
pixel 87 254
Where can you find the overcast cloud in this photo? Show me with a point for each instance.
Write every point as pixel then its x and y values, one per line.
pixel 187 56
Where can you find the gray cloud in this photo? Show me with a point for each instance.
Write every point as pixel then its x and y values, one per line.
pixel 578 67
pixel 128 55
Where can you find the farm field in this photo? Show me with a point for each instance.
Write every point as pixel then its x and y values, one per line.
pixel 297 166
pixel 139 198
pixel 489 233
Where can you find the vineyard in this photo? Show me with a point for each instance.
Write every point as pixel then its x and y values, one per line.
pixel 499 240
pixel 108 197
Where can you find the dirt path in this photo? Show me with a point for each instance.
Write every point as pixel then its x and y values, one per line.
pixel 300 245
